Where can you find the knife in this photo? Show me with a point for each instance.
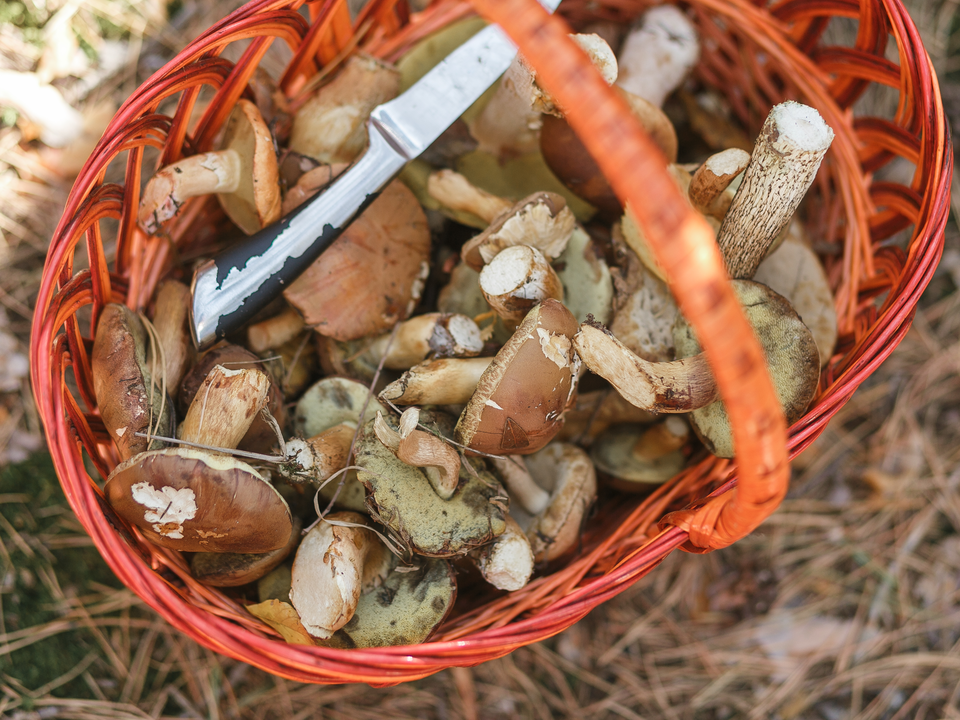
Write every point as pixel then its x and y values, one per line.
pixel 229 290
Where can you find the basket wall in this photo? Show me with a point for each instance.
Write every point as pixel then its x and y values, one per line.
pixel 757 55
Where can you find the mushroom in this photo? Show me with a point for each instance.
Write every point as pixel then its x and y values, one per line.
pixel 428 335
pixel 126 384
pixel 332 401
pixel 439 461
pixel 708 189
pixel 520 399
pixel 225 406
pixel 273 332
pixel 458 195
pixel 400 497
pixel 371 277
pixel 658 55
pixel 636 457
pixel 594 411
pixel 784 162
pixel 516 280
pixel 328 572
pixel 445 381
pixel 331 126
pixel 243 173
pixel 317 458
pixel 687 384
pixel 645 317
pixel 556 486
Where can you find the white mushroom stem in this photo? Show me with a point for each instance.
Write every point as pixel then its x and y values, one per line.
pixel 225 406
pixel 438 334
pixel 328 572
pixel 446 381
pixel 273 332
pixel 658 56
pixel 510 122
pixel 783 164
pixel 212 172
pixel 663 387
pixel 322 455
pixel 439 461
pixel 520 484
pixel 507 562
pixel 454 191
pixel 517 279
pixel 708 186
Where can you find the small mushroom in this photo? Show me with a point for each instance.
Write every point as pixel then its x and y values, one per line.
pixel 126 385
pixel 520 399
pixel 243 173
pixel 438 460
pixel 273 332
pixel 557 491
pixel 400 497
pixel 428 335
pixel 331 126
pixel 317 458
pixel 445 381
pixel 516 280
pixel 457 194
pixel 328 572
pixel 708 190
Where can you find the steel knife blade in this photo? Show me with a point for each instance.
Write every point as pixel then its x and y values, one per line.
pixel 234 286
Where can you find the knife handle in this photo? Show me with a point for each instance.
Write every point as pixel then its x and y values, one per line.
pixel 229 290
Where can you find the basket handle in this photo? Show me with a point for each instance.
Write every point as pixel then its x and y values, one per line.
pixel 685 246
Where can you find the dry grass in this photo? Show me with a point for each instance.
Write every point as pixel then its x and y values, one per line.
pixel 845 604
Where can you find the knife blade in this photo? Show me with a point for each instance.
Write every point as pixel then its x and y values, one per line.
pixel 233 287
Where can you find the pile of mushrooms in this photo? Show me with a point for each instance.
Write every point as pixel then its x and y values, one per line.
pixel 442 396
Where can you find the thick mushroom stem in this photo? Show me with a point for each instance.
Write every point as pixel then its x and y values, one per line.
pixel 516 280
pixel 507 562
pixel 212 172
pixel 454 191
pixel 171 318
pixel 520 485
pixel 225 406
pixel 656 57
pixel 445 381
pixel 273 332
pixel 708 186
pixel 437 334
pixel 784 161
pixel 664 387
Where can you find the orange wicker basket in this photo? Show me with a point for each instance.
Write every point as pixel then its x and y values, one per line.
pixel 882 241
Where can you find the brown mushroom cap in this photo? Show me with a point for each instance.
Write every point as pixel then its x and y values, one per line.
pixel 372 276
pixel 196 501
pixel 792 360
pixel 520 400
pixel 236 569
pixel 129 402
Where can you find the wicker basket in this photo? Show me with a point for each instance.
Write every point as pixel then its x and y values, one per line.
pixel 758 56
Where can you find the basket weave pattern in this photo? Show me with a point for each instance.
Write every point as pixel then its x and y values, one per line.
pixel 758 55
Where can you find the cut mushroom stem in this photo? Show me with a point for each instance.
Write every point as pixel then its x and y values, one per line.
pixel 243 173
pixel 317 458
pixel 454 191
pixel 225 406
pixel 507 562
pixel 431 334
pixel 439 461
pixel 445 381
pixel 708 187
pixel 664 387
pixel 273 332
pixel 784 162
pixel 516 280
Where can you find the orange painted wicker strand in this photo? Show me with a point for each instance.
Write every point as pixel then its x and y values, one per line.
pixel 757 56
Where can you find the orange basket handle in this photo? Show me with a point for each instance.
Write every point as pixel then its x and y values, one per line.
pixel 685 246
